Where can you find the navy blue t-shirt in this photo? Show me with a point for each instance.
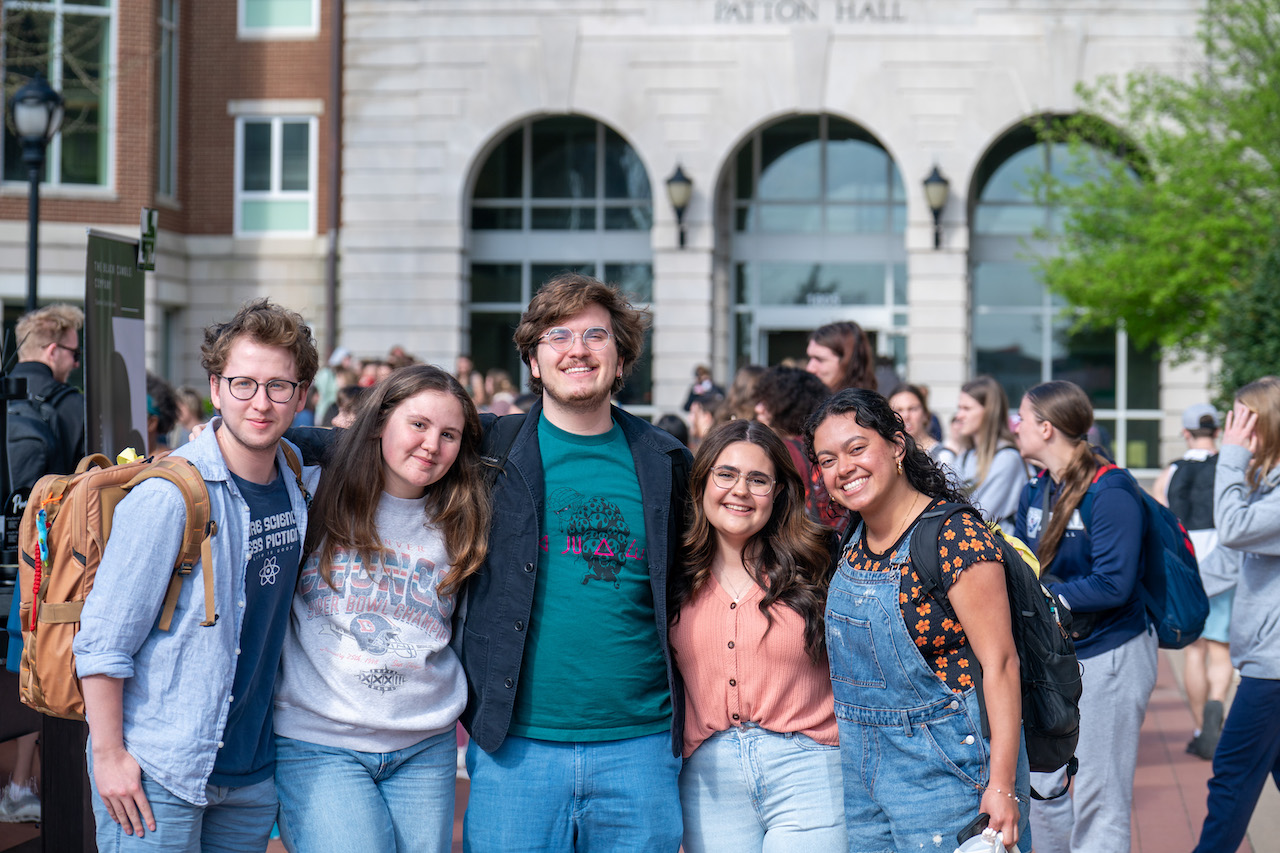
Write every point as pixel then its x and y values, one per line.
pixel 275 546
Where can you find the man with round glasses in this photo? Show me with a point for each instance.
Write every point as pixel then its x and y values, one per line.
pixel 576 712
pixel 181 753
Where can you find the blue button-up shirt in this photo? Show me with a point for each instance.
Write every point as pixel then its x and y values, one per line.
pixel 177 683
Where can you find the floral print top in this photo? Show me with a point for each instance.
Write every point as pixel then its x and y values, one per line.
pixel 964 540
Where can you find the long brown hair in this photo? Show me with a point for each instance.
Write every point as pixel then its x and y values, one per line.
pixel 344 512
pixel 1066 406
pixel 852 346
pixel 993 432
pixel 1262 396
pixel 789 558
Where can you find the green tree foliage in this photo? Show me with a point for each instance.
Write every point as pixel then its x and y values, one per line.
pixel 1163 253
pixel 1251 325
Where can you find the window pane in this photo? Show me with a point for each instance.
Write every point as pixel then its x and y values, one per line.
pixel 540 274
pixel 789 218
pixel 821 284
pixel 624 174
pixel 1011 181
pixel 275 216
pixel 745 182
pixel 1010 348
pixel 900 284
pixel 635 279
pixel 563 218
pixel 790 165
pixel 1142 444
pixel 1144 377
pixel 1017 219
pixel 564 158
pixel 84 70
pixel 635 218
pixel 491 342
pixel 277 13
pixel 1006 285
pixel 495 283
pixel 26 46
pixel 496 218
pixel 1087 358
pixel 742 284
pixel 295 156
pixel 500 177
pixel 858 219
pixel 857 171
pixel 639 388
pixel 257 156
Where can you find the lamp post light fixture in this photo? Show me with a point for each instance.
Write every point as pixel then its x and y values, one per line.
pixel 679 190
pixel 936 189
pixel 37 113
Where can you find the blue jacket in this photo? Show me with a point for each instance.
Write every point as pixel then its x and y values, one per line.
pixel 1099 559
pixel 494 612
pixel 177 683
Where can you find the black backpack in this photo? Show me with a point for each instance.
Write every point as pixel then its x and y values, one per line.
pixel 1051 684
pixel 36 446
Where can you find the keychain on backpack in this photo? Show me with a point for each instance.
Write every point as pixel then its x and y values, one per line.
pixel 41 557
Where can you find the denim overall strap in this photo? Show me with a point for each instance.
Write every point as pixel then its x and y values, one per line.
pixel 878 675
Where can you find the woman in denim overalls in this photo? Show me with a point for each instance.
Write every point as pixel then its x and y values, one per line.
pixel 915 764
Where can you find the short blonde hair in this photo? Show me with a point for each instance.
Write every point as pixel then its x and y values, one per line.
pixel 44 326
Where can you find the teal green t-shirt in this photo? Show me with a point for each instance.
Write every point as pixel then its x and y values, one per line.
pixel 593 668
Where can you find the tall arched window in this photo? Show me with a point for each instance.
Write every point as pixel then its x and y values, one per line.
pixel 1023 334
pixel 558 193
pixel 818 216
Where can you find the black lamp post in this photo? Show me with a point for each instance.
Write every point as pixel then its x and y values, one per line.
pixel 680 190
pixel 936 189
pixel 37 112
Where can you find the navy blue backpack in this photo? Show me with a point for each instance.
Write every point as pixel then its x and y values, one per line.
pixel 1170 583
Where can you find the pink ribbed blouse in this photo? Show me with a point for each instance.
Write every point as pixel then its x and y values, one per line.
pixel 735 673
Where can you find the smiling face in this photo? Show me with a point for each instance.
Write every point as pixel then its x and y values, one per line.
pixel 254 426
pixel 824 364
pixel 735 513
pixel 968 418
pixel 859 467
pixel 420 441
pixel 911 410
pixel 579 379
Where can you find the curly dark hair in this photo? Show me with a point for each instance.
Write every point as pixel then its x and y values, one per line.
pixel 790 395
pixel 790 558
pixel 872 412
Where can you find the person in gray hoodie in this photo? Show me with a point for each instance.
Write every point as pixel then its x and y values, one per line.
pixel 1246 511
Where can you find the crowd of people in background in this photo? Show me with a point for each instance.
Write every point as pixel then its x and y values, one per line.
pixel 773 518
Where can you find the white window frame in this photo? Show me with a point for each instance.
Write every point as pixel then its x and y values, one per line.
pixel 247 33
pixel 275 193
pixel 53 154
pixel 168 85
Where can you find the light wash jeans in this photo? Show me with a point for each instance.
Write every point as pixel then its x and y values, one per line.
pixel 340 800
pixel 749 789
pixel 236 820
pixel 615 796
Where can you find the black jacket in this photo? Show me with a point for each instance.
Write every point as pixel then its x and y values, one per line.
pixel 490 631
pixel 70 409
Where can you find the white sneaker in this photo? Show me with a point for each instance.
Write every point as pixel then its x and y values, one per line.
pixel 19 804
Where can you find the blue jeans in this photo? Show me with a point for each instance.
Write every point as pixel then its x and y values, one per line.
pixel 539 795
pixel 340 800
pixel 750 789
pixel 1247 753
pixel 236 820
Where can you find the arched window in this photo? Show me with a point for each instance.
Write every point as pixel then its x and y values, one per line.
pixel 818 217
pixel 559 193
pixel 1023 334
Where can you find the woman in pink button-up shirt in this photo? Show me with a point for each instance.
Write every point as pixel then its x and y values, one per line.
pixel 762 762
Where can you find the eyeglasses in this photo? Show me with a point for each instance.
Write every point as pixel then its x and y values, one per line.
pixel 726 478
pixel 561 339
pixel 75 351
pixel 244 388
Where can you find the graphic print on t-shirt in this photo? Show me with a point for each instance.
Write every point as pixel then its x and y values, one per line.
pixel 594 529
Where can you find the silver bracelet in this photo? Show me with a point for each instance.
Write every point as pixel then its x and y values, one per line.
pixel 1006 793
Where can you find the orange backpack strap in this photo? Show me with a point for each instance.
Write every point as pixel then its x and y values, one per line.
pixel 196 537
pixel 295 465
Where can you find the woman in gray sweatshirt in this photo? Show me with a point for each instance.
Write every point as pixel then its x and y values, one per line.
pixel 1246 511
pixel 369 690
